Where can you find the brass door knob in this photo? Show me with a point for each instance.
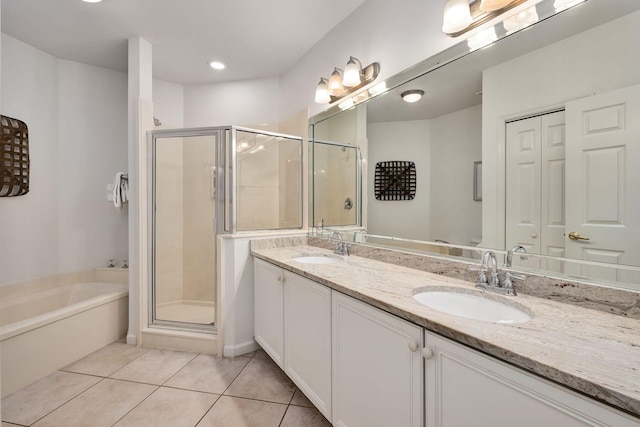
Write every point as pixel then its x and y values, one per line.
pixel 574 235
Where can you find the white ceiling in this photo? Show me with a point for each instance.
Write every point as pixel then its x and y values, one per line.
pixel 255 38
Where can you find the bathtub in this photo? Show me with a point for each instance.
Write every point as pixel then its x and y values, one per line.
pixel 47 325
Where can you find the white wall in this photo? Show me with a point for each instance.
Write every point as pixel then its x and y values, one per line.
pixel 598 60
pixel 243 103
pixel 168 104
pixel 30 238
pixel 92 148
pixel 77 141
pixel 399 218
pixel 456 142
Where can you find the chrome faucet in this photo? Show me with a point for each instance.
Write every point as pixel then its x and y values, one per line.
pixel 341 248
pixel 490 256
pixel 516 248
pixel 492 283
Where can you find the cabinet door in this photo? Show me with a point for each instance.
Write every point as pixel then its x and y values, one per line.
pixel 377 368
pixel 466 388
pixel 307 337
pixel 268 309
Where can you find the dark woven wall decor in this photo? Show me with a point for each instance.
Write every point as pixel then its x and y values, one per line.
pixel 395 180
pixel 14 157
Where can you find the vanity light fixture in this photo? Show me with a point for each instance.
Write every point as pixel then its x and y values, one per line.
pixel 412 96
pixel 335 82
pixel 457 16
pixel 343 83
pixel 352 73
pixel 455 21
pixel 346 104
pixel 217 65
pixel 322 92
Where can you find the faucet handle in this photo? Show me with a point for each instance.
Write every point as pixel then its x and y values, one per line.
pixel 507 284
pixel 482 276
pixel 515 276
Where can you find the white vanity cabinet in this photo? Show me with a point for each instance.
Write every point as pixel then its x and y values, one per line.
pixel 307 339
pixel 292 317
pixel 377 367
pixel 463 387
pixel 268 309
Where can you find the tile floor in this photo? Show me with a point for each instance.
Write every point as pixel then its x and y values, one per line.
pixel 123 386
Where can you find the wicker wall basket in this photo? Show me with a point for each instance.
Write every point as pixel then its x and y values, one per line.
pixel 14 157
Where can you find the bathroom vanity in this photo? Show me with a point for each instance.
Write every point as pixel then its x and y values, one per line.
pixel 349 333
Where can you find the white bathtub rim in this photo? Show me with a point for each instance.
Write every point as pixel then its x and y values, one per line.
pixel 13 329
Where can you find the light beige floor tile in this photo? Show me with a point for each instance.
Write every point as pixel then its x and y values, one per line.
pixel 236 412
pixel 299 399
pixel 33 402
pixel 264 380
pixel 169 407
pixel 297 416
pixel 260 354
pixel 107 360
pixel 208 373
pixel 154 367
pixel 100 406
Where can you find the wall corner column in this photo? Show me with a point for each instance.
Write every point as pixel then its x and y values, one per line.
pixel 140 110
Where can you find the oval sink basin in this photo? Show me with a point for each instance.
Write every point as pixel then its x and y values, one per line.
pixel 472 307
pixel 316 259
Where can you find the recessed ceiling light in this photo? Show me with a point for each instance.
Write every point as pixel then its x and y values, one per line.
pixel 217 65
pixel 412 95
pixel 92 1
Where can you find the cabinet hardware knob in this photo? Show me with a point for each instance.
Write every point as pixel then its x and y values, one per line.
pixel 534 235
pixel 413 346
pixel 279 278
pixel 427 353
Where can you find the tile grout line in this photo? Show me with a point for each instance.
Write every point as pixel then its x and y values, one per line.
pixel 60 406
pixel 157 386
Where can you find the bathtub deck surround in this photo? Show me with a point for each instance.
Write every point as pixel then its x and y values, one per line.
pixel 50 322
pixel 122 385
pixel 591 351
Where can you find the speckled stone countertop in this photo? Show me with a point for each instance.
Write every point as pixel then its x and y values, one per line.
pixel 595 353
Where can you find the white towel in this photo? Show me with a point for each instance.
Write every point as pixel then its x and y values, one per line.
pixel 120 190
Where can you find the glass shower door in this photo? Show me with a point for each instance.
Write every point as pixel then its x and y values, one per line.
pixel 184 199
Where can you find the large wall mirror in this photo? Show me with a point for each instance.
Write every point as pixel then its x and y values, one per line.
pixel 552 112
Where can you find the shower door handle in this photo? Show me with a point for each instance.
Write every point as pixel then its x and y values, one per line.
pixel 213 180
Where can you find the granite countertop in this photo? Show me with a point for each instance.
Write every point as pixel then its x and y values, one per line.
pixel 595 353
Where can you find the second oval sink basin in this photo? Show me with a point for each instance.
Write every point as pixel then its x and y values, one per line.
pixel 472 307
pixel 316 259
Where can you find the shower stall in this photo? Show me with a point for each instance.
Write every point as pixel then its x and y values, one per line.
pixel 207 182
pixel 336 184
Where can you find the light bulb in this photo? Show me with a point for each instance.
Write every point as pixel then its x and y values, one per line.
pixel 457 16
pixel 412 96
pixel 322 93
pixel 352 72
pixel 335 83
pixel 217 65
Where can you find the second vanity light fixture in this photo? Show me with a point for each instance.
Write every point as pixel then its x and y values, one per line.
pixel 461 16
pixel 342 83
